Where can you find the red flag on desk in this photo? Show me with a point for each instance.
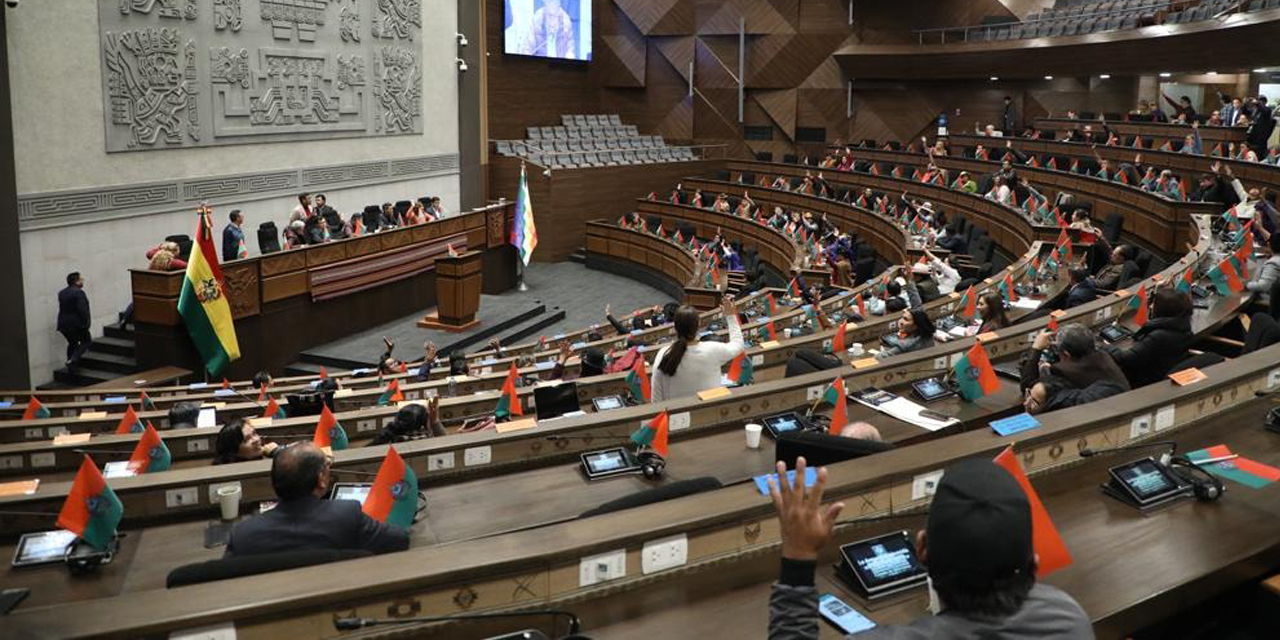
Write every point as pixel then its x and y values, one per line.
pixel 35 410
pixel 1048 545
pixel 324 373
pixel 226 384
pixel 509 401
pixel 862 305
pixel 837 342
pixel 130 422
pixel 834 394
pixel 653 434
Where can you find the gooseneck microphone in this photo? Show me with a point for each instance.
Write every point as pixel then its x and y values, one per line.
pixel 1165 458
pixel 353 622
pixel 595 437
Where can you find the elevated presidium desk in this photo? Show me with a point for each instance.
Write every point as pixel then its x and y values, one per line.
pixel 289 301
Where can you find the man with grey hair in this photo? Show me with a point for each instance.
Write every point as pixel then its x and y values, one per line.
pixel 1068 370
pixel 303 519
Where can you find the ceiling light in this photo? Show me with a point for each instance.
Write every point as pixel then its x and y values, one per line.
pixel 1166 74
pixel 1048 77
pixel 1105 76
pixel 994 78
pixel 1259 70
pixel 1212 73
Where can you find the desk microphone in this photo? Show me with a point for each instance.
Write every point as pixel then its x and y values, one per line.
pixel 90 452
pixel 251 400
pixel 352 623
pixel 1165 458
pixel 603 435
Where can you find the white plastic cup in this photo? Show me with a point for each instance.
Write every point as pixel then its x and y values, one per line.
pixel 753 435
pixel 856 349
pixel 229 500
pixel 786 333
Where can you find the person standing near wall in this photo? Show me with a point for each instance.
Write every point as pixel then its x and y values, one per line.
pixel 233 238
pixel 73 317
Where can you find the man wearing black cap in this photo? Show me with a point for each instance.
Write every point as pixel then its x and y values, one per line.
pixel 977 546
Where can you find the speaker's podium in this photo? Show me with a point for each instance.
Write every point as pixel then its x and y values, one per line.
pixel 458 281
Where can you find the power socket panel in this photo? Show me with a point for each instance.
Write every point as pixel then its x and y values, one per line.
pixel 196 445
pixel 664 553
pixel 602 567
pixel 440 461
pixel 477 455
pixel 184 497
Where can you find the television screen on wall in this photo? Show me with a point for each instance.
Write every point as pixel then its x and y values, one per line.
pixel 548 28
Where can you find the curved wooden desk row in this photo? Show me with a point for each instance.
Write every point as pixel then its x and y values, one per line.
pixel 889 239
pixel 1150 130
pixel 1186 165
pixel 772 246
pixel 144 497
pixel 1151 219
pixel 724 528
pixel 1009 229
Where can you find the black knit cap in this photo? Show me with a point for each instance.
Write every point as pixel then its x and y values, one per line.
pixel 979 525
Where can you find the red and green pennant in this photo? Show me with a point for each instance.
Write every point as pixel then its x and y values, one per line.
pixel 638 381
pixel 509 401
pixel 968 305
pixel 834 395
pixel 329 432
pixel 147 403
pixel 1138 302
pixel 837 341
pixel 391 394
pixel 1225 278
pixel 1051 551
pixel 273 410
pixel 1007 289
pixel 91 510
pixel 653 434
pixel 35 410
pixel 393 498
pixel 974 374
pixel 151 455
pixel 129 423
pixel 1250 473
pixel 741 369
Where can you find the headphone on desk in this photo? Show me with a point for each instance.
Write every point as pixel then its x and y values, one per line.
pixel 652 465
pixel 1205 486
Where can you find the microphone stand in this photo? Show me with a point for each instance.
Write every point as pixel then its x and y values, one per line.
pixel 352 622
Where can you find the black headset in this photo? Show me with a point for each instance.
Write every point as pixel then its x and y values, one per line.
pixel 652 465
pixel 1204 485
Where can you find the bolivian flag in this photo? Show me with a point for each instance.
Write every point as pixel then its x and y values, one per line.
pixel 203 303
pixel 653 435
pixel 393 499
pixel 130 422
pixel 92 510
pixel 329 432
pixel 35 410
pixel 151 454
pixel 509 401
pixel 974 373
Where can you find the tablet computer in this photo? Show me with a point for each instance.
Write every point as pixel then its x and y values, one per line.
pixel 882 565
pixel 608 462
pixel 1115 333
pixel 1144 483
pixel 357 491
pixel 553 401
pixel 784 422
pixel 930 389
pixel 607 403
pixel 42 547
pixel 872 396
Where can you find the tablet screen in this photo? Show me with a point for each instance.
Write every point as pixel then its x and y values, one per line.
pixel 42 547
pixel 606 461
pixel 608 402
pixel 1145 479
pixel 930 389
pixel 783 423
pixel 353 491
pixel 885 560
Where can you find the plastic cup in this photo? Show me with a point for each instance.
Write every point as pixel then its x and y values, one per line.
pixel 856 349
pixel 753 435
pixel 229 500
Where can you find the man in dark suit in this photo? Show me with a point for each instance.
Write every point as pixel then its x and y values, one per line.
pixel 1009 119
pixel 233 237
pixel 303 519
pixel 73 317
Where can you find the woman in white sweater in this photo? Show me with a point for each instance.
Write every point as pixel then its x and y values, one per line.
pixel 690 365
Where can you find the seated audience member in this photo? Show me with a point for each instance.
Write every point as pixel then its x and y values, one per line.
pixel 1252 206
pixel 991 309
pixel 458 364
pixel 590 363
pixel 1212 188
pixel 316 230
pixel 977 547
pixel 164 260
pixel 915 332
pixel 262 380
pixel 184 415
pixel 1269 272
pixel 1191 143
pixel 238 441
pixel 922 278
pixel 1161 343
pixel 354 226
pixel 965 183
pixel 1081 290
pixel 689 364
pixel 295 234
pixel 894 299
pixel 1263 331
pixel 1000 191
pixel 303 210
pixel 437 208
pixel 387 364
pixel 943 273
pixel 303 519
pixel 861 431
pixel 1183 110
pixel 412 421
pixel 337 229
pixel 1082 373
pixel 1109 277
pixel 390 218
pixel 952 240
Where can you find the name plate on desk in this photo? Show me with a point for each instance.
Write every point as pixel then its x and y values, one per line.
pixel 260 422
pixel 92 415
pixel 71 438
pixel 516 425
pixel 712 394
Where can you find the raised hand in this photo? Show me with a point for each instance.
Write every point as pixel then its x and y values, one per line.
pixel 806 525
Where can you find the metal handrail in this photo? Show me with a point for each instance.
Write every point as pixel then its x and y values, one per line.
pixel 991 27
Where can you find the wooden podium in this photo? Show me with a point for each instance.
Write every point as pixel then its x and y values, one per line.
pixel 458 281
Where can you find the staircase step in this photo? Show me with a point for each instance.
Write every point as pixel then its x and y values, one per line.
pixel 579 256
pixel 521 333
pixel 114 346
pixel 82 376
pixel 116 330
pixel 109 362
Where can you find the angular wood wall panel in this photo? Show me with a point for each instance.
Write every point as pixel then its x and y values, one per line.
pixel 780 106
pixel 646 14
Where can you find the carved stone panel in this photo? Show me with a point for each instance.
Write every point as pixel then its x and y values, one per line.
pixel 182 73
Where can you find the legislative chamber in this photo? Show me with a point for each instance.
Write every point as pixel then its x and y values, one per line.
pixel 627 319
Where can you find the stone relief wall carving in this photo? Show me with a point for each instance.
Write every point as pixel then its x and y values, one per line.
pixel 298 71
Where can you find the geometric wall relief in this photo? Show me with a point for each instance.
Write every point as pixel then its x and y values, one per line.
pixel 188 73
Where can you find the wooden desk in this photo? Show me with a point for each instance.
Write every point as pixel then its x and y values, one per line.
pixel 145 379
pixel 1158 131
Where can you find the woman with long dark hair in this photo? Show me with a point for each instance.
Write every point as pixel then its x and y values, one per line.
pixel 690 365
pixel 915 332
pixel 991 310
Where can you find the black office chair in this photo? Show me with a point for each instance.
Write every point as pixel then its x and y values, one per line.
pixel 268 238
pixel 808 361
pixel 1112 227
pixel 657 494
pixel 790 158
pixel 653 222
pixel 239 566
pixel 764 156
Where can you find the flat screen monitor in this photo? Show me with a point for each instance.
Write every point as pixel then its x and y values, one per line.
pixel 554 401
pixel 547 28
